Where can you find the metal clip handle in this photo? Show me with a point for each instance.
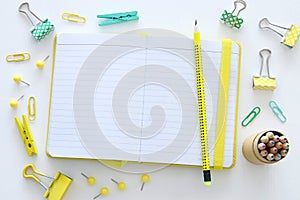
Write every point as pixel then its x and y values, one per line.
pixel 24 8
pixel 32 167
pixel 267 53
pixel 236 5
pixel 266 24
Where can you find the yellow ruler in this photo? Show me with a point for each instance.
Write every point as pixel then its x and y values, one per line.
pixel 201 107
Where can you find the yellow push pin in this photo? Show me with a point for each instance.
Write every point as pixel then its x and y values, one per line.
pixel 41 63
pixel 103 192
pixel 15 102
pixel 121 185
pixel 91 180
pixel 18 78
pixel 145 178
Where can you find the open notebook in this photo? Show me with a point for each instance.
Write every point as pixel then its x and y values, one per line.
pixel 134 97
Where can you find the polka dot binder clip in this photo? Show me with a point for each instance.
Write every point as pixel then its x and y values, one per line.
pixel 42 28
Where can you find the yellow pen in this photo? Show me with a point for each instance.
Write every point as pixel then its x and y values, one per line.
pixel 201 107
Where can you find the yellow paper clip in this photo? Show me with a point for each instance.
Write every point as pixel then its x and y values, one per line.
pixel 26 135
pixel 251 116
pixel 73 17
pixel 31 108
pixel 289 38
pixel 277 111
pixel 58 187
pixel 18 57
pixel 264 82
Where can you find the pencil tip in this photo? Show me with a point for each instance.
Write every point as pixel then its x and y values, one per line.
pixel 195 22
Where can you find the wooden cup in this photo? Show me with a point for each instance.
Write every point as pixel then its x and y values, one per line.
pixel 251 151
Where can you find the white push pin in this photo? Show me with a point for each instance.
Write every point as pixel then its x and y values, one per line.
pixel 91 180
pixel 18 78
pixel 121 185
pixel 103 192
pixel 15 102
pixel 145 178
pixel 41 63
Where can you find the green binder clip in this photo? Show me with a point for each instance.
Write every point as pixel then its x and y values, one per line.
pixel 232 20
pixel 42 28
pixel 115 18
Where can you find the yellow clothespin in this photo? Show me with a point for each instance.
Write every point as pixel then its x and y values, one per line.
pixel 73 17
pixel 58 187
pixel 18 57
pixel 264 82
pixel 289 38
pixel 26 135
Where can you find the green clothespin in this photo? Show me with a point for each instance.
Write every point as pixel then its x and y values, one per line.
pixel 42 28
pixel 230 18
pixel 115 18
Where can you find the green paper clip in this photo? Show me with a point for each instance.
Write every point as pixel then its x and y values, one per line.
pixel 277 111
pixel 42 28
pixel 251 116
pixel 115 18
pixel 230 18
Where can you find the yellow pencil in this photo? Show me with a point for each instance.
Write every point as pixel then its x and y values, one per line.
pixel 201 107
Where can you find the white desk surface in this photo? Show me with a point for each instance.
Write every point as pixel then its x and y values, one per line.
pixel 244 181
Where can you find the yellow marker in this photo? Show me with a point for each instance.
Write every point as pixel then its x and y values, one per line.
pixel 58 187
pixel 18 78
pixel 145 179
pixel 103 192
pixel 31 108
pixel 15 102
pixel 41 63
pixel 18 57
pixel 201 107
pixel 121 185
pixel 73 17
pixel 91 180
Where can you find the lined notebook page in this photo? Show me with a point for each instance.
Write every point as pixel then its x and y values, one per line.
pixel 142 94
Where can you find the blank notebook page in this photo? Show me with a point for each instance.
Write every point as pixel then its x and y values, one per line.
pixel 135 98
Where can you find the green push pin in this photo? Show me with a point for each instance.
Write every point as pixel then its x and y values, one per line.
pixel 145 179
pixel 91 180
pixel 121 185
pixel 103 192
pixel 41 63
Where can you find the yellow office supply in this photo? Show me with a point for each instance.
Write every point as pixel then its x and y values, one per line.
pixel 15 102
pixel 41 63
pixel 289 38
pixel 73 17
pixel 121 185
pixel 264 82
pixel 18 78
pixel 90 179
pixel 31 108
pixel 26 135
pixel 145 179
pixel 58 187
pixel 104 191
pixel 18 57
pixel 201 107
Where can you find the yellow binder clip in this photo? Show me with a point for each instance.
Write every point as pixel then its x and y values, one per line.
pixel 264 82
pixel 58 187
pixel 73 17
pixel 289 38
pixel 18 57
pixel 26 135
pixel 31 108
